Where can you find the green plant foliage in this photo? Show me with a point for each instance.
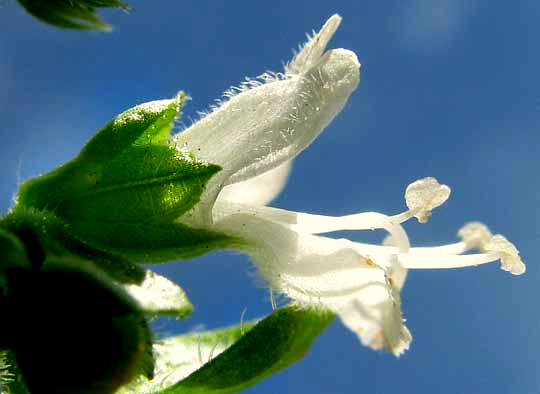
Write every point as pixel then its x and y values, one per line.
pixel 12 255
pixel 46 235
pixel 71 14
pixel 127 186
pixel 179 356
pixel 72 330
pixel 11 381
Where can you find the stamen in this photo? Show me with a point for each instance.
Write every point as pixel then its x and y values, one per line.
pixel 317 224
pixel 429 261
pixel 450 249
pixel 455 248
pixel 475 235
pixel 498 248
pixel 421 197
pixel 507 252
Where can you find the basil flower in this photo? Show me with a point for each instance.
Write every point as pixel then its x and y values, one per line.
pixel 145 196
pixel 253 135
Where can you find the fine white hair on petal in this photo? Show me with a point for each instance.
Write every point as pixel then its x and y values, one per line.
pixel 312 50
pixel 259 190
pixel 262 127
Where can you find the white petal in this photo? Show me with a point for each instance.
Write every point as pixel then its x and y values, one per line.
pixel 262 127
pixel 157 294
pixel 328 272
pixel 311 51
pixel 259 190
pixel 378 326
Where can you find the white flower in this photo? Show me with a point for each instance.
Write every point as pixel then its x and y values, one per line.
pixel 254 135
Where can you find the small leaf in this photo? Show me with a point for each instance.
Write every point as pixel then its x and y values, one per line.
pixel 71 14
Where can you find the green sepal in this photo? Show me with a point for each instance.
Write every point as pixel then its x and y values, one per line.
pixel 12 251
pixel 159 242
pixel 104 162
pixel 144 188
pixel 273 344
pixel 179 356
pixel 247 354
pixel 123 193
pixel 12 255
pixel 44 234
pixel 71 14
pixel 11 381
pixel 145 124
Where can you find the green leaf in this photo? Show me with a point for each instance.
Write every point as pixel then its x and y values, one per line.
pixel 271 345
pixel 124 191
pixel 71 14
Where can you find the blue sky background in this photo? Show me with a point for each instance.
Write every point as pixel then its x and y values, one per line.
pixel 450 88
